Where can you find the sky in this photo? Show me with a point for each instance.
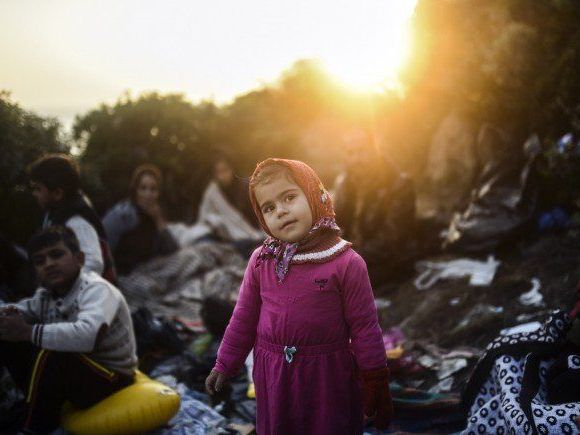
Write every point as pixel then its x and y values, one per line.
pixel 64 57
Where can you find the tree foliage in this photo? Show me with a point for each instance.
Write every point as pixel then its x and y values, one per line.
pixel 182 138
pixel 24 137
pixel 165 130
pixel 511 63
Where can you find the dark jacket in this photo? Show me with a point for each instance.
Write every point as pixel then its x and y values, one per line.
pixel 134 236
pixel 377 215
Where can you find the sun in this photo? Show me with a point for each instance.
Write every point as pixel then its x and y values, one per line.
pixel 370 55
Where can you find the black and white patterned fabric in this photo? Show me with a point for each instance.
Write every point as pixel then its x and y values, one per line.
pixel 507 392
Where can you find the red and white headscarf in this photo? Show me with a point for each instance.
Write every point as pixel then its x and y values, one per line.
pixel 323 242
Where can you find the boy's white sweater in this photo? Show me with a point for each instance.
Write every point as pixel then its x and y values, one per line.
pixel 93 319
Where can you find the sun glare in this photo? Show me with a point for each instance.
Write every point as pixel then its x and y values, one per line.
pixel 215 50
pixel 371 55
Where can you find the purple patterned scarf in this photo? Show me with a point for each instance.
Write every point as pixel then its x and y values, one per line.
pixel 322 232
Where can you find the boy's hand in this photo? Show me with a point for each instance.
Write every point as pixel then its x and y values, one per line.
pixel 14 328
pixel 9 310
pixel 215 382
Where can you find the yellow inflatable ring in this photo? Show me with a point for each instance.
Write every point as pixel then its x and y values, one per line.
pixel 138 408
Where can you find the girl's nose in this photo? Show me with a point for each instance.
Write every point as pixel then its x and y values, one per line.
pixel 282 210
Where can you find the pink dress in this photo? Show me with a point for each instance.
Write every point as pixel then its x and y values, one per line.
pixel 310 333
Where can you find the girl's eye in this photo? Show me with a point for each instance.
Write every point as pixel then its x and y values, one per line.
pixel 290 197
pixel 268 209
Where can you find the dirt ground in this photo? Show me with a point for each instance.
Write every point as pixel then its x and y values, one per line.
pixel 453 315
pixel 436 314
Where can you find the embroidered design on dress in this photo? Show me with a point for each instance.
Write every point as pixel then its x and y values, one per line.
pixel 321 283
pixel 289 353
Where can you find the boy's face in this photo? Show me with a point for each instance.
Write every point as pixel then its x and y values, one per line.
pixel 44 196
pixel 285 209
pixel 56 265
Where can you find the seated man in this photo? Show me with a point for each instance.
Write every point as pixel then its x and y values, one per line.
pixel 73 341
pixel 375 207
pixel 55 182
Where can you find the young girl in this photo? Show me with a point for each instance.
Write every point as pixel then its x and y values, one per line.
pixel 306 307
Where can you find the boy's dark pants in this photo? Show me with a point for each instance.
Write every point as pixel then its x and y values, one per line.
pixel 48 379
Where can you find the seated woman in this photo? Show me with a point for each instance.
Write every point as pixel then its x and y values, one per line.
pixel 136 228
pixel 226 211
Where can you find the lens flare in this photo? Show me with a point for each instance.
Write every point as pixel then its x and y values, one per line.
pixel 371 55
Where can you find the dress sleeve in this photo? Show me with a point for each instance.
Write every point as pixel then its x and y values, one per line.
pixel 240 334
pixel 361 316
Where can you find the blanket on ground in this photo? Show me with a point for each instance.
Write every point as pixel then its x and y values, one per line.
pixel 175 285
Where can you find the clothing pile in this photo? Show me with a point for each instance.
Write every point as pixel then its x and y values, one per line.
pixel 504 201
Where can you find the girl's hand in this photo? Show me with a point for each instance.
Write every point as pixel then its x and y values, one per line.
pixel 215 382
pixel 377 397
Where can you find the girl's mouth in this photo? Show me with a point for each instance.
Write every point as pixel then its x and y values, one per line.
pixel 283 227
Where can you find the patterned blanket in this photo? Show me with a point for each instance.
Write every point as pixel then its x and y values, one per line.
pixel 175 285
pixel 514 387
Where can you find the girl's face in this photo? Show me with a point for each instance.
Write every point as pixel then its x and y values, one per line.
pixel 147 190
pixel 285 209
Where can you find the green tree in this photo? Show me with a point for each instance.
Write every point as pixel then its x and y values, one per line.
pixel 24 136
pixel 182 138
pixel 165 130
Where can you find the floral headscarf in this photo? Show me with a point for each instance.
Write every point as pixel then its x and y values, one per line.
pixel 324 234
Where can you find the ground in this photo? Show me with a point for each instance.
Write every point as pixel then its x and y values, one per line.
pixel 428 317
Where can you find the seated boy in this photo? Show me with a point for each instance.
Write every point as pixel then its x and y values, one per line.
pixel 55 183
pixel 73 341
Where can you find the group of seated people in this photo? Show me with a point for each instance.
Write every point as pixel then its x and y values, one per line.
pixel 73 339
pixel 135 229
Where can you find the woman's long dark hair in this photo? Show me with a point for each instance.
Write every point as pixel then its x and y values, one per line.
pixel 138 173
